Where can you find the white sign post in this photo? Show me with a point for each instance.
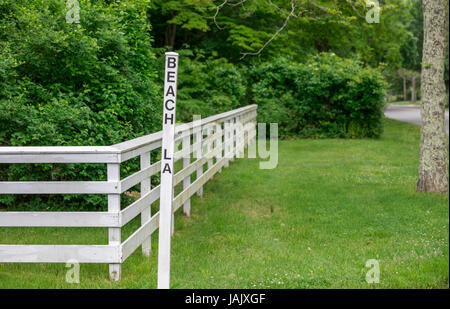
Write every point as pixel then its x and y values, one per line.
pixel 166 197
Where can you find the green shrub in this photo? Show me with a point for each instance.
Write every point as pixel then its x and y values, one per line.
pixel 325 97
pixel 91 83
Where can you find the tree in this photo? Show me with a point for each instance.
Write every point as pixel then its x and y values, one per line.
pixel 413 75
pixel 433 170
pixel 403 73
pixel 245 31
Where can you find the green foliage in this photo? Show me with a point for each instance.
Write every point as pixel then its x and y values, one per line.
pixel 325 97
pixel 90 83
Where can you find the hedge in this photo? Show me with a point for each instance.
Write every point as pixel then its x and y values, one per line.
pixel 325 97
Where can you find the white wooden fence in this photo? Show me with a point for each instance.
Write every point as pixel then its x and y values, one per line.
pixel 217 155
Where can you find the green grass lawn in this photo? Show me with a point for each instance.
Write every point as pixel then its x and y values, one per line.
pixel 406 103
pixel 312 222
pixel 417 103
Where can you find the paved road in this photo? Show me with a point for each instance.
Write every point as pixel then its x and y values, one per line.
pixel 408 113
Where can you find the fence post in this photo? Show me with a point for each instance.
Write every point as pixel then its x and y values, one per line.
pixel 114 235
pixel 237 138
pixel 255 123
pixel 187 179
pixel 219 144
pixel 232 138
pixel 146 214
pixel 241 140
pixel 209 146
pixel 198 139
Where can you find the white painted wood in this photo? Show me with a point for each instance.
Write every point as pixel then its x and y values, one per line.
pixel 166 198
pixel 140 176
pixel 228 140
pixel 240 141
pixel 126 155
pixel 59 187
pixel 138 142
pixel 146 213
pixel 63 219
pixel 127 214
pixel 219 117
pixel 59 158
pixel 139 237
pixel 198 138
pixel 114 234
pixel 219 144
pixel 59 253
pixel 209 146
pixel 58 154
pixel 187 179
pixel 233 139
pixel 191 168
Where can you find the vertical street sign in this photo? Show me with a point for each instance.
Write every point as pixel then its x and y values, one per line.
pixel 166 197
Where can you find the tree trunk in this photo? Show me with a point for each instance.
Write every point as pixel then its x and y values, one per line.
pixel 413 90
pixel 433 171
pixel 171 30
pixel 405 96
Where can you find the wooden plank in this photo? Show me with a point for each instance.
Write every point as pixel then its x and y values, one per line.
pixel 198 149
pixel 138 177
pixel 139 236
pixel 129 154
pixel 59 187
pixel 142 141
pixel 186 152
pixel 209 146
pixel 136 207
pixel 219 117
pixel 114 234
pixel 187 179
pixel 58 154
pixel 62 219
pixel 60 158
pixel 57 150
pixel 146 213
pixel 59 253
pixel 193 167
pixel 138 142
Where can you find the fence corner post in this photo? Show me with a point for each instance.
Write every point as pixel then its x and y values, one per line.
pixel 114 233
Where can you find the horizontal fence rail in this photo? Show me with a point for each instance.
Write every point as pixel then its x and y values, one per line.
pixel 213 142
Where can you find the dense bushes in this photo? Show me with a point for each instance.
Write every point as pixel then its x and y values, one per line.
pixel 91 83
pixel 324 97
pixel 99 82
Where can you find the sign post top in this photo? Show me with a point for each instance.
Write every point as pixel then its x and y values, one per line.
pixel 174 54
